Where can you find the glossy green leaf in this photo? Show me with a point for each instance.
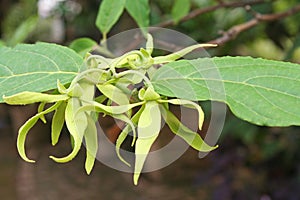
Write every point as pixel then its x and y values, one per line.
pixel 109 13
pixel 139 10
pixel 76 123
pixel 36 68
pixel 24 98
pixel 260 91
pixel 180 9
pixel 191 137
pixel 148 129
pixel 91 144
pixel 23 131
pixel 58 121
pixel 83 45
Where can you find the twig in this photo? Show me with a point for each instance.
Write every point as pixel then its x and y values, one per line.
pixel 258 18
pixel 201 11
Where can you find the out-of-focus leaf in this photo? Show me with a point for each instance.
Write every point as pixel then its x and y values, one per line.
pixel 83 45
pixel 109 13
pixel 23 31
pixel 139 10
pixel 180 9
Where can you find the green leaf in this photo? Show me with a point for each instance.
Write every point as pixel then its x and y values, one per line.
pixel 139 10
pixel 23 31
pixel 58 121
pixel 148 129
pixel 36 68
pixel 191 137
pixel 83 45
pixel 180 9
pixel 109 13
pixel 260 91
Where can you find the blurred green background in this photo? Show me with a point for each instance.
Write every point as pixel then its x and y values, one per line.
pixel 251 163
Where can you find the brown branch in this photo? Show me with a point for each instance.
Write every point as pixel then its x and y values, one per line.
pixel 201 11
pixel 258 18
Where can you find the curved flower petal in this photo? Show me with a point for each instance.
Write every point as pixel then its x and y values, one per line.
pixel 179 54
pixel 188 104
pixel 115 110
pixel 148 129
pixel 26 127
pixel 149 44
pixel 125 132
pixel 148 95
pixel 114 93
pixel 91 144
pixel 76 123
pixel 40 109
pixel 58 121
pixel 191 137
pixel 24 98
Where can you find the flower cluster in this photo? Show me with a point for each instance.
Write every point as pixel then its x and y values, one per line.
pixel 78 107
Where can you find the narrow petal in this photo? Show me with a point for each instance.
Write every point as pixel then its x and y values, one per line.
pixel 148 129
pixel 91 144
pixel 24 98
pixel 188 104
pixel 23 131
pixel 114 93
pixel 97 107
pixel 180 53
pixel 191 137
pixel 40 109
pixel 58 121
pixel 125 132
pixel 76 123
